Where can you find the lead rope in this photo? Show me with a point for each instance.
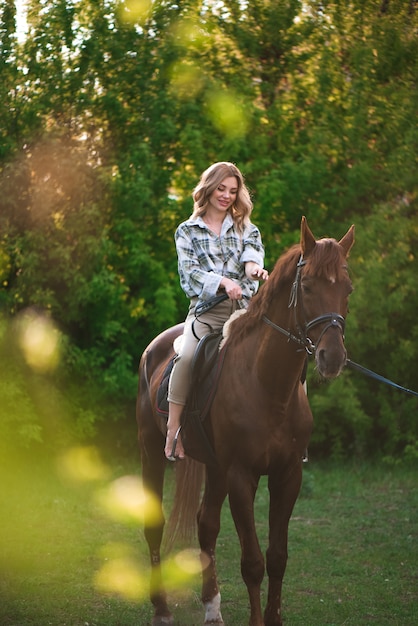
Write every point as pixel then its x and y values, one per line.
pixel 382 379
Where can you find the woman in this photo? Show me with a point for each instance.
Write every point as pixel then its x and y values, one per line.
pixel 219 251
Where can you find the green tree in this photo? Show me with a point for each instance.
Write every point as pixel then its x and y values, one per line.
pixel 112 110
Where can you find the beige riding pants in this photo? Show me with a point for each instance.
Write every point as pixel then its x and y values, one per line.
pixel 179 383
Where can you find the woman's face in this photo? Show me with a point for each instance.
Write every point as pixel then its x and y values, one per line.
pixel 224 195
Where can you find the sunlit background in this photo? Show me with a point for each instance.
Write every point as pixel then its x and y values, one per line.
pixel 33 512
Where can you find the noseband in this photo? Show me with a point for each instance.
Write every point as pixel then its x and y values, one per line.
pixel 330 320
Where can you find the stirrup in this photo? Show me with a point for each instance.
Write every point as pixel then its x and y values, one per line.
pixel 172 456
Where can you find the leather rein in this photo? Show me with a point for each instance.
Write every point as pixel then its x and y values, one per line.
pixel 331 320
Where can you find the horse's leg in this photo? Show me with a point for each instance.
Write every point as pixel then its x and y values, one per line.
pixel 153 465
pixel 283 495
pixel 242 487
pixel 209 523
pixel 153 535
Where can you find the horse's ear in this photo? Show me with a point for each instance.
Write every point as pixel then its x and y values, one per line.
pixel 347 241
pixel 307 240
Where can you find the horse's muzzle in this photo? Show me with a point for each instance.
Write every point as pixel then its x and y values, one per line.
pixel 330 361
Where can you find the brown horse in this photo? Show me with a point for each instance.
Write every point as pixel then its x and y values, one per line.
pixel 260 420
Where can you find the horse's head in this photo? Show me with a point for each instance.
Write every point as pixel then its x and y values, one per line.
pixel 321 289
pixel 314 316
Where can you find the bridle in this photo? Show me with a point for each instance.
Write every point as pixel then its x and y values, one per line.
pixel 330 320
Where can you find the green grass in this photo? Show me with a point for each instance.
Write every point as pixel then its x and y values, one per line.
pixel 352 551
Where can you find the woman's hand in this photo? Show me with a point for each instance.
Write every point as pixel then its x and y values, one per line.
pixel 233 290
pixel 253 271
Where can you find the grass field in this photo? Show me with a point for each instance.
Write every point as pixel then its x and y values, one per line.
pixel 71 555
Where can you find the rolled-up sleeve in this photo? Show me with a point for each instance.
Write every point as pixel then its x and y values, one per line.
pixel 195 279
pixel 204 258
pixel 253 249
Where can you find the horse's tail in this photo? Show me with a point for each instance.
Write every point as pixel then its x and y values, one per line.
pixel 182 523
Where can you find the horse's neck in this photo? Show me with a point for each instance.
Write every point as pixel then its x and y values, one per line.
pixel 278 360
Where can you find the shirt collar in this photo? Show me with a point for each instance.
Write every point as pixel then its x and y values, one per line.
pixel 226 224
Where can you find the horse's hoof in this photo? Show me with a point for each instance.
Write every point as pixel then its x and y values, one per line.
pixel 163 621
pixel 213 616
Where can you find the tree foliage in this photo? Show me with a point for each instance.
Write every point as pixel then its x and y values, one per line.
pixel 111 109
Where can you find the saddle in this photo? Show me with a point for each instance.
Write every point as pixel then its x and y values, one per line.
pixel 205 371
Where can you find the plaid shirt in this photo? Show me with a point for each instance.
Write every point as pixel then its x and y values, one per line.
pixel 204 258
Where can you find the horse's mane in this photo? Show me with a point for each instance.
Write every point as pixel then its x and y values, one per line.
pixel 326 261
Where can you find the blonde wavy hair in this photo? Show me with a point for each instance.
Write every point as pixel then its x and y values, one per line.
pixel 210 180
